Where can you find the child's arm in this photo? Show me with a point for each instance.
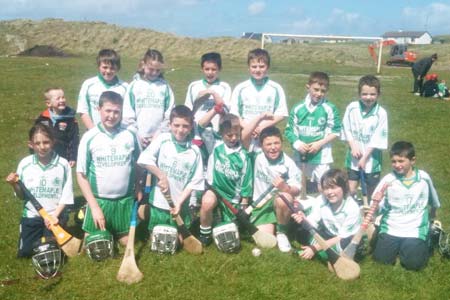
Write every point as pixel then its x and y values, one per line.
pixel 314 147
pixel 163 181
pixel 217 109
pixel 185 194
pixel 87 121
pixel 282 186
pixel 97 213
pixel 249 127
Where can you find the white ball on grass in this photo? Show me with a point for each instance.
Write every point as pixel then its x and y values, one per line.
pixel 256 252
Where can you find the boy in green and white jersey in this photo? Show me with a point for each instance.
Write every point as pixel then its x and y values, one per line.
pixel 365 129
pixel 410 202
pixel 176 165
pixel 258 95
pixel 313 124
pixel 229 176
pixel 270 167
pixel 108 62
pixel 107 172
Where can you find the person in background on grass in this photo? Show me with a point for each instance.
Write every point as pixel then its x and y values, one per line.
pixel 365 129
pixel 410 202
pixel 419 70
pixel 443 90
pixel 107 173
pixel 335 213
pixel 313 124
pixel 258 95
pixel 177 169
pixel 108 64
pixel 48 177
pixel 62 119
pixel 430 87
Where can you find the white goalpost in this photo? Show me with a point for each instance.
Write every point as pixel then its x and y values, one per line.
pixel 265 36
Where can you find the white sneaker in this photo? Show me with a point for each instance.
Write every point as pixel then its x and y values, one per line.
pixel 417 94
pixel 283 242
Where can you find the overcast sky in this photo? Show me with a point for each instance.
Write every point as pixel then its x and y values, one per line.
pixel 206 18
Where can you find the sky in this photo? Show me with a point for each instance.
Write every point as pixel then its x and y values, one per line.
pixel 214 18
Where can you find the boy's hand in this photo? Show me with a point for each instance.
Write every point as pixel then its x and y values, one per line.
pixel 356 152
pixel 175 210
pixel 50 222
pixel 72 163
pixel 98 217
pixel 298 217
pixel 266 116
pixel 303 148
pixel 307 252
pixel 280 184
pixel 145 141
pixel 314 147
pixel 362 163
pixel 12 178
pixel 163 184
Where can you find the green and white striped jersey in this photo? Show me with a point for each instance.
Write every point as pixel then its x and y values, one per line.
pixel 230 172
pixel 182 165
pixel 90 92
pixel 51 185
pixel 108 161
pixel 405 206
pixel 309 123
pixel 147 106
pixel 368 130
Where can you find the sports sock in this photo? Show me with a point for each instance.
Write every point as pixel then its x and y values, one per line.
pixel 282 228
pixel 205 230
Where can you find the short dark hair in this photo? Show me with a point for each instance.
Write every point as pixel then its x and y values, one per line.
pixel 108 56
pixel 404 149
pixel 110 97
pixel 321 78
pixel 259 55
pixel 213 57
pixel 227 122
pixel 335 177
pixel 369 80
pixel 41 128
pixel 182 111
pixel 268 132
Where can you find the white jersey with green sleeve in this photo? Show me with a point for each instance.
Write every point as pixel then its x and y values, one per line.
pixel 147 106
pixel 265 171
pixel 108 161
pixel 343 222
pixel 182 165
pixel 368 130
pixel 222 88
pixel 90 92
pixel 249 100
pixel 310 123
pixel 405 205
pixel 230 172
pixel 51 184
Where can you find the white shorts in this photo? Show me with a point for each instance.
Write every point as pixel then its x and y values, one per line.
pixel 314 171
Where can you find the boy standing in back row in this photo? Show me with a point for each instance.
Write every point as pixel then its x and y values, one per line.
pixel 258 95
pixel 313 124
pixel 108 63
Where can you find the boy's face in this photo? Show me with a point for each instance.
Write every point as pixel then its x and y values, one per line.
pixel 56 101
pixel 369 96
pixel 152 69
pixel 271 146
pixel 232 136
pixel 110 115
pixel 402 165
pixel 334 194
pixel 316 91
pixel 258 69
pixel 108 71
pixel 180 128
pixel 210 71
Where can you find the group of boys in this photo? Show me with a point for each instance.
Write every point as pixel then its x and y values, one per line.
pixel 224 145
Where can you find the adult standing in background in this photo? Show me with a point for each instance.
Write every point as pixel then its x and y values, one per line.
pixel 420 70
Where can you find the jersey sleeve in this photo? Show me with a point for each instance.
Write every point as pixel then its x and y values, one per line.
pixel 189 101
pixel 346 132
pixel 234 102
pixel 82 105
pixel 227 95
pixel 352 222
pixel 196 180
pixel 280 108
pixel 150 155
pixel 67 191
pixel 83 154
pixel 169 104
pixel 334 121
pixel 247 179
pixel 291 131
pixel 129 113
pixel 433 199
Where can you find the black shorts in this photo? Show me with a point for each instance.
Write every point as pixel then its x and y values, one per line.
pixel 372 179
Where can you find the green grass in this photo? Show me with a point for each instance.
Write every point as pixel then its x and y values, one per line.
pixel 215 275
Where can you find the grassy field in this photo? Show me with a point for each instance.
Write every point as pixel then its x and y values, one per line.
pixel 215 275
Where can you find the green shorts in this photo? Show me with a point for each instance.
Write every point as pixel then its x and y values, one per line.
pixel 117 214
pixel 159 216
pixel 223 214
pixel 264 214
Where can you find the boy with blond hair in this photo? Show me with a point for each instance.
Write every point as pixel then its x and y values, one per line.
pixel 313 124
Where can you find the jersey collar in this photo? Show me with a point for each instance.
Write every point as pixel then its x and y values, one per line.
pixel 408 182
pixel 53 161
pixel 371 112
pixel 110 134
pixel 207 84
pixel 276 161
pixel 181 147
pixel 259 86
pixel 106 83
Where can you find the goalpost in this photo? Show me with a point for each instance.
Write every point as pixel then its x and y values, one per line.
pixel 265 36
